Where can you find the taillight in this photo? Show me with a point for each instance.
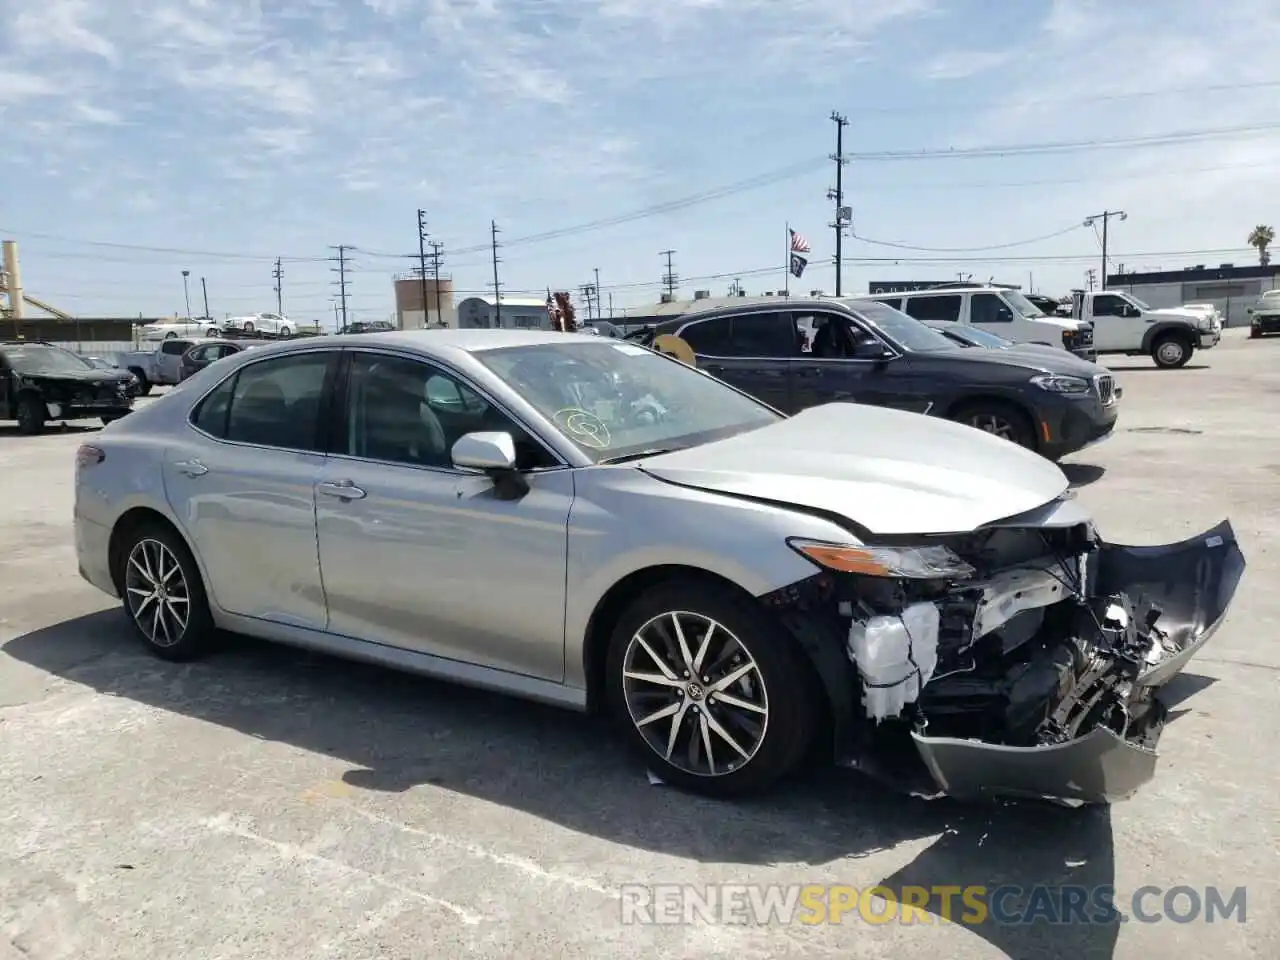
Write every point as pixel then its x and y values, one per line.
pixel 88 455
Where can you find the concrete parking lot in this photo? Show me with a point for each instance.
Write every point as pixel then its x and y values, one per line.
pixel 266 803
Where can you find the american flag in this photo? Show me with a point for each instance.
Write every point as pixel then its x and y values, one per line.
pixel 799 244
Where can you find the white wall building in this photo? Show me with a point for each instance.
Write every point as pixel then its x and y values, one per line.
pixel 518 313
pixel 1231 289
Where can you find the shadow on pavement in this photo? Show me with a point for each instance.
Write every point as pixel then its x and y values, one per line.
pixel 398 731
pixel 1150 367
pixel 51 430
pixel 1083 474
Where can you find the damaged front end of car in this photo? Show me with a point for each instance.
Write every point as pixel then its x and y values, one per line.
pixel 1020 660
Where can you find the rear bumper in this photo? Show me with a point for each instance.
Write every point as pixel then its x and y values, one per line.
pixel 93 556
pixel 81 411
pixel 1269 323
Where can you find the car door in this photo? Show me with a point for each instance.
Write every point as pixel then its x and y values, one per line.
pixel 241 483
pixel 1113 328
pixel 169 359
pixel 421 555
pixel 847 362
pixel 7 411
pixel 752 351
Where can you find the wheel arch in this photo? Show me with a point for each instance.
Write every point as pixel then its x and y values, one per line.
pixel 609 609
pixel 1165 328
pixel 980 397
pixel 127 523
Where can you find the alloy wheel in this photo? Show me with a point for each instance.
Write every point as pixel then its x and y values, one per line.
pixel 158 594
pixel 993 423
pixel 695 693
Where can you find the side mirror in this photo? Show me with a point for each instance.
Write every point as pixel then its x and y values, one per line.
pixel 495 454
pixel 871 350
pixel 1131 312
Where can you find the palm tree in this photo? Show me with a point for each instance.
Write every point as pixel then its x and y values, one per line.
pixel 1262 238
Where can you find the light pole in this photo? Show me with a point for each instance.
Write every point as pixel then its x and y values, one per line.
pixel 186 294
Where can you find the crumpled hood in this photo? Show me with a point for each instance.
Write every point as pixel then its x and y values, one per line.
pixel 93 376
pixel 889 471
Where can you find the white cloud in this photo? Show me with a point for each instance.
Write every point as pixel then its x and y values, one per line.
pixel 961 64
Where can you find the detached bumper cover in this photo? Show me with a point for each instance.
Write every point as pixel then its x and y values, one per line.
pixel 1183 590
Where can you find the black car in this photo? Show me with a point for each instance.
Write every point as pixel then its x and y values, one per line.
pixel 41 381
pixel 800 353
pixel 200 355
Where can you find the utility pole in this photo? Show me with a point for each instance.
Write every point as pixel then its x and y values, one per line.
pixel 497 287
pixel 278 275
pixel 610 306
pixel 585 291
pixel 1090 274
pixel 205 290
pixel 186 294
pixel 596 291
pixel 437 249
pixel 1105 216
pixel 422 261
pixel 341 282
pixel 837 194
pixel 669 278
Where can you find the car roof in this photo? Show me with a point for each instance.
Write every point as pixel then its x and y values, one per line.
pixel 429 342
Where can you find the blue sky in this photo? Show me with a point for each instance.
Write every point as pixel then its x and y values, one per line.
pixel 267 128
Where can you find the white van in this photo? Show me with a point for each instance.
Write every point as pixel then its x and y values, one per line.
pixel 999 310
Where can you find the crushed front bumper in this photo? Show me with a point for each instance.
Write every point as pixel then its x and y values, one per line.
pixel 1070 715
pixel 1190 584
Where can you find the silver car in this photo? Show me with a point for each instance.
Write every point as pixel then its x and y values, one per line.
pixel 583 521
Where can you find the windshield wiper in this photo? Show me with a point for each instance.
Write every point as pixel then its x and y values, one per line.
pixel 640 455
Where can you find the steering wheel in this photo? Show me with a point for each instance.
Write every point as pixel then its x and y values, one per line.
pixel 584 427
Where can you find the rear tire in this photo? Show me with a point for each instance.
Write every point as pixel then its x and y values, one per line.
pixel 749 685
pixel 31 415
pixel 1171 351
pixel 999 419
pixel 249 326
pixel 286 332
pixel 163 595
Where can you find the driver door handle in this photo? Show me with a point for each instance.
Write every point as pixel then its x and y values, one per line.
pixel 342 489
pixel 191 468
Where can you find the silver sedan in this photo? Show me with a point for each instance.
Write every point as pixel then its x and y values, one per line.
pixel 583 521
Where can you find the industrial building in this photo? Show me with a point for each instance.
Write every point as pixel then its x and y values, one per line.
pixel 439 308
pixel 517 313
pixel 1231 289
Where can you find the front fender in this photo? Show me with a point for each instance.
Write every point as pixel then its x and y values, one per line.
pixel 1169 326
pixel 624 521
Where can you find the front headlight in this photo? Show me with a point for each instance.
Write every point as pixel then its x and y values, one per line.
pixel 1206 324
pixel 1056 383
pixel 911 563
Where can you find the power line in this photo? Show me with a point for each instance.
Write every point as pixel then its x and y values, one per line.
pixel 1000 246
pixel 1067 146
pixel 936 105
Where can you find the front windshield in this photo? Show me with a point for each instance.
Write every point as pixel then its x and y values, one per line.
pixel 614 400
pixel 907 332
pixel 1022 305
pixel 1136 302
pixel 41 358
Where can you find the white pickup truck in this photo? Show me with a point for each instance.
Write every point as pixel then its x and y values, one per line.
pixel 1124 324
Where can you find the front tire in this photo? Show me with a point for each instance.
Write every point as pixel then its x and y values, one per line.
pixel 163 594
pixel 31 415
pixel 710 692
pixel 1171 351
pixel 144 384
pixel 999 419
pixel 285 332
pixel 249 326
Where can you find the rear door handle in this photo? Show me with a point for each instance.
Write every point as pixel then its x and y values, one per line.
pixel 342 489
pixel 192 468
